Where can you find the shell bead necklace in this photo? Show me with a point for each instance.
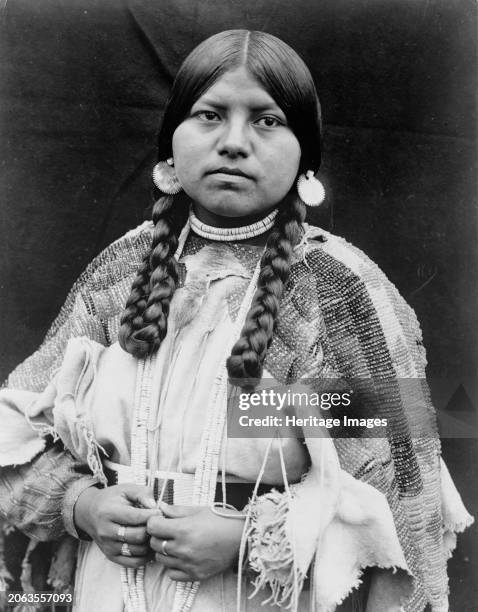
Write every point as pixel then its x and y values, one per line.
pixel 231 234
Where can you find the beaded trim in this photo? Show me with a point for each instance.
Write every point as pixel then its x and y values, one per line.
pixel 230 234
pixel 132 580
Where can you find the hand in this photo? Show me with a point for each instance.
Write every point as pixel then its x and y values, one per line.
pixel 100 513
pixel 199 543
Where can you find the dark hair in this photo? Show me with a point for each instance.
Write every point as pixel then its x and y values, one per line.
pixel 286 78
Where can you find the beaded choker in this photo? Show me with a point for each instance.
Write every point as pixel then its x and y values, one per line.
pixel 230 234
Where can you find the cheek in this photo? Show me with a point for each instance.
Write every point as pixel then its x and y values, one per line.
pixel 185 157
pixel 284 163
pixel 293 160
pixel 179 146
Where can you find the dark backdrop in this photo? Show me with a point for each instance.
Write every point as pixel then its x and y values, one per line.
pixel 83 87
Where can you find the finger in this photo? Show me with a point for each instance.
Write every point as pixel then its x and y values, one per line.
pixel 163 528
pixel 172 511
pixel 127 515
pixel 133 535
pixel 139 495
pixel 130 561
pixel 178 575
pixel 136 550
pixel 158 546
pixel 168 561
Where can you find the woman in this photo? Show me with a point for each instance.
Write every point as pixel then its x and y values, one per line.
pixel 230 283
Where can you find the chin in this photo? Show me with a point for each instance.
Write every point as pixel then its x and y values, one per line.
pixel 229 209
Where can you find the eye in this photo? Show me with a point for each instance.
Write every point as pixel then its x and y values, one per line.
pixel 269 121
pixel 207 115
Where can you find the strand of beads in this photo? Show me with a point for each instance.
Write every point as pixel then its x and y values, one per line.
pixel 231 234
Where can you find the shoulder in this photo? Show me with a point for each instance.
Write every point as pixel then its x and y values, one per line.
pixel 105 284
pixel 338 263
pixel 95 302
pixel 354 294
pixel 92 308
pixel 321 250
pixel 118 260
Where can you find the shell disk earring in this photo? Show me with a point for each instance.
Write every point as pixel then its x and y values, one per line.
pixel 164 177
pixel 310 189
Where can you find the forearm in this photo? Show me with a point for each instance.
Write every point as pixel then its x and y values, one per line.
pixel 38 497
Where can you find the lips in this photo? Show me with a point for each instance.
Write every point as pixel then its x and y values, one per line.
pixel 231 171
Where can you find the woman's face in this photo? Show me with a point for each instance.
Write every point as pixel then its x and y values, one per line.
pixel 235 154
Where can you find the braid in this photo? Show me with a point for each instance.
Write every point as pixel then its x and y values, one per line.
pixel 144 320
pixel 248 354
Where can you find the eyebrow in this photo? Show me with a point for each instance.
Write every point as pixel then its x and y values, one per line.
pixel 257 108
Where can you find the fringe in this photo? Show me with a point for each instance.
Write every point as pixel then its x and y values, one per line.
pixel 271 553
pixel 43 429
pixel 93 454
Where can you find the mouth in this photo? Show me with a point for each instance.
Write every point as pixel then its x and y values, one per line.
pixel 230 171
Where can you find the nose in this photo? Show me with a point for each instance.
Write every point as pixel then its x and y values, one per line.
pixel 234 140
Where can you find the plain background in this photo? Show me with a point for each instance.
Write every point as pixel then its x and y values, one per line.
pixel 83 87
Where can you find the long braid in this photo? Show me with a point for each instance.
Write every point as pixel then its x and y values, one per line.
pixel 144 320
pixel 248 354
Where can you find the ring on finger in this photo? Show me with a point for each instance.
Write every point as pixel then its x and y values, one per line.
pixel 125 550
pixel 163 548
pixel 122 533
